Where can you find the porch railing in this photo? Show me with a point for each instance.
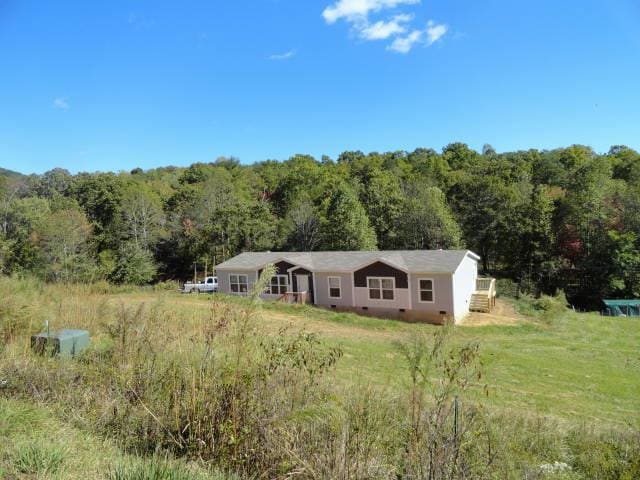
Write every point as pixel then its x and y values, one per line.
pixel 294 297
pixel 486 286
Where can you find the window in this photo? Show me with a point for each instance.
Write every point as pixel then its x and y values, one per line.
pixel 381 288
pixel 239 283
pixel 335 287
pixel 279 285
pixel 426 290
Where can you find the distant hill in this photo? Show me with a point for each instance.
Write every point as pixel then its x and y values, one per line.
pixel 9 173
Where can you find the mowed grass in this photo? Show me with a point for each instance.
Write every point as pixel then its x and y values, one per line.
pixel 577 367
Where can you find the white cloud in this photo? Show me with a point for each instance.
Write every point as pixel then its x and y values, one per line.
pixel 435 32
pixel 61 103
pixel 283 56
pixel 397 27
pixel 358 10
pixel 382 30
pixel 432 34
pixel 405 44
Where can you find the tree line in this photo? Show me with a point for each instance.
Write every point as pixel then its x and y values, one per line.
pixel 547 219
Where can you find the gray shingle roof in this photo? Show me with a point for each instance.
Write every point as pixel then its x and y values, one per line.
pixel 413 261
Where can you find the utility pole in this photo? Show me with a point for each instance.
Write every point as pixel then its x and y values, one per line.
pixel 206 267
pixel 195 272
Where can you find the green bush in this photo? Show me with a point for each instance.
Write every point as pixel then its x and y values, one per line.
pixel 134 266
pixel 507 288
pixel 610 455
pixel 167 286
pixel 546 308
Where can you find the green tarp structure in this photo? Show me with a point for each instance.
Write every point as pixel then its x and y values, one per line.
pixel 622 308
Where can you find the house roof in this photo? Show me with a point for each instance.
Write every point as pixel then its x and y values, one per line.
pixel 412 261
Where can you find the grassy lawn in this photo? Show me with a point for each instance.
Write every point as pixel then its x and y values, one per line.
pixel 578 367
pixel 35 443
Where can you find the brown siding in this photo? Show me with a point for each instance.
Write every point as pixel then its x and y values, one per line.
pixel 379 269
pixel 281 268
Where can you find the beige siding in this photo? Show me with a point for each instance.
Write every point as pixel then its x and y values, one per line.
pixel 224 285
pixel 401 299
pixel 321 284
pixel 442 293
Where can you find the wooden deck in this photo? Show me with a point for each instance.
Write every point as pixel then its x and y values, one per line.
pixel 484 297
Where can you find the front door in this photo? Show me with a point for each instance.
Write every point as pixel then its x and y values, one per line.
pixel 302 282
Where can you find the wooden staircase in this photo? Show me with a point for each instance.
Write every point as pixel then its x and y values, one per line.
pixel 484 298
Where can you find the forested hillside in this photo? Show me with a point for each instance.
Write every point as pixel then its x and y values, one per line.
pixel 566 218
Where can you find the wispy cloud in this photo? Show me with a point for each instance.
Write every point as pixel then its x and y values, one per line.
pixel 435 32
pixel 61 103
pixel 405 44
pixel 382 30
pixel 397 27
pixel 283 56
pixel 358 10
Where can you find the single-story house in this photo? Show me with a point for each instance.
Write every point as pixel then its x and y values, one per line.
pixel 433 286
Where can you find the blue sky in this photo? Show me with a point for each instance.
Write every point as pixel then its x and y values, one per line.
pixel 121 84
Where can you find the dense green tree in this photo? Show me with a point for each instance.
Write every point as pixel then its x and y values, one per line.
pixel 566 218
pixel 134 265
pixel 624 277
pixel 459 156
pixel 143 219
pixel 430 166
pixel 487 210
pixel 64 236
pixel 626 164
pixel 22 249
pixel 382 197
pixel 346 225
pixel 426 221
pixel 530 254
pixel 100 196
pixel 302 225
pixel 54 182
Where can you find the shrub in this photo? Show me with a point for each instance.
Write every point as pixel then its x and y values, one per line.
pixel 609 455
pixel 507 288
pixel 134 265
pixel 167 286
pixel 546 308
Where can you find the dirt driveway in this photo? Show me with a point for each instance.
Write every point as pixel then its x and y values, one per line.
pixel 502 314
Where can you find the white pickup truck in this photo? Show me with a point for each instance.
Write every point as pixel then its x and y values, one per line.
pixel 209 285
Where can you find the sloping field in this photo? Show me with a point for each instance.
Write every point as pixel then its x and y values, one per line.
pixel 580 367
pixel 161 363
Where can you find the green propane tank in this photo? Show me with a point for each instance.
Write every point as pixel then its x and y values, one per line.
pixel 63 342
